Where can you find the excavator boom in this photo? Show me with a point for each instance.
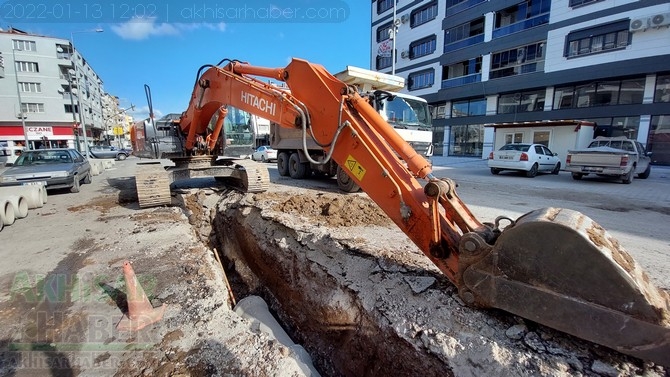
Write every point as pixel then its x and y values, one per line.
pixel 553 266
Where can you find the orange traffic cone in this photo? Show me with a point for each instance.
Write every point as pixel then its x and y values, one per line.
pixel 140 311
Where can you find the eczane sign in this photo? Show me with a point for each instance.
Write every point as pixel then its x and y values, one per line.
pixel 39 132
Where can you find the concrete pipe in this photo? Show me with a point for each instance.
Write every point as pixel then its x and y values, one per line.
pixel 35 195
pixel 108 163
pixel 7 212
pixel 96 167
pixel 255 309
pixel 20 205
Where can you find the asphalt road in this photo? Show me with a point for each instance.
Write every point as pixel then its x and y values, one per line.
pixel 636 214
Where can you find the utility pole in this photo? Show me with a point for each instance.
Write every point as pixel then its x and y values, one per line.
pixel 22 115
pixel 79 92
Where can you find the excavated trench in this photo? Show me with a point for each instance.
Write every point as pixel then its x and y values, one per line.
pixel 320 310
pixel 350 288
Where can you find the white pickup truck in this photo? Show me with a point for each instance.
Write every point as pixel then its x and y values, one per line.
pixel 610 156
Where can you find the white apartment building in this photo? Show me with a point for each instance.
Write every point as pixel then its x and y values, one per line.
pixel 53 84
pixel 484 63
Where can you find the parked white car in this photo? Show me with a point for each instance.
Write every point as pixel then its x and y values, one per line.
pixel 264 153
pixel 529 158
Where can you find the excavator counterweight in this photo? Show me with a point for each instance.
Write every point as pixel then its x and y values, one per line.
pixel 553 266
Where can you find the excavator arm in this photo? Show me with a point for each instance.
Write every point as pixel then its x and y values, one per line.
pixel 553 266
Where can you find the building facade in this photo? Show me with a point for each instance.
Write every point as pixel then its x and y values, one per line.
pixel 480 62
pixel 54 82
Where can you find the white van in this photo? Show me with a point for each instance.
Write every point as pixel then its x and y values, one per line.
pixel 9 154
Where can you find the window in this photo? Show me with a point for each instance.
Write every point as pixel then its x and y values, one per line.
pixel 439 111
pixel 468 108
pixel 466 140
pixel 631 92
pixel 456 6
pixel 421 79
pixel 422 47
pixel 424 14
pixel 30 87
pixel 27 67
pixel 384 5
pixel 524 59
pixel 605 93
pixel 617 126
pixel 579 3
pixel 522 11
pixel 513 103
pixel 542 137
pixel 32 107
pixel 383 62
pixel 604 38
pixel 662 92
pixel 24 45
pixel 464 68
pixel 658 141
pixel 68 109
pixel 463 32
pixel 383 32
pixel 516 137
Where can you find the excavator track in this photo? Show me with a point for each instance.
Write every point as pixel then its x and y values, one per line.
pixel 153 185
pixel 153 180
pixel 254 177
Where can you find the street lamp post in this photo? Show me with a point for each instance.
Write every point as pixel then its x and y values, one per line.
pixel 74 65
pixel 18 93
pixel 392 33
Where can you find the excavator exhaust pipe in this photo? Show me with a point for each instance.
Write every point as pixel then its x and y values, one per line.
pixel 559 268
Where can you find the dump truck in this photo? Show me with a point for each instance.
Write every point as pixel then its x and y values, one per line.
pixel 408 114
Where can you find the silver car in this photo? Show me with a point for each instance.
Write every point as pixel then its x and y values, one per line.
pixel 107 151
pixel 58 168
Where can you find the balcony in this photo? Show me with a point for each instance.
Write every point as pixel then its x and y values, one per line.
pixel 463 6
pixel 522 25
pixel 66 96
pixel 64 55
pixel 462 80
pixel 464 43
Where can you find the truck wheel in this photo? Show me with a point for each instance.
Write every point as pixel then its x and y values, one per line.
pixel 296 169
pixel 345 183
pixel 628 177
pixel 577 176
pixel 282 164
pixel 532 172
pixel 495 171
pixel 645 173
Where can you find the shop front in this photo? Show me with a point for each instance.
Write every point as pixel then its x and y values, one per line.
pixel 39 136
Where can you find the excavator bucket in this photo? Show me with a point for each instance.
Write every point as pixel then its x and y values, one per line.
pixel 559 268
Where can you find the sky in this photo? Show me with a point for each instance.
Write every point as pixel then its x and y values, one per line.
pixel 163 44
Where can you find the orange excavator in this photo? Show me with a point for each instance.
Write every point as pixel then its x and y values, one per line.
pixel 553 266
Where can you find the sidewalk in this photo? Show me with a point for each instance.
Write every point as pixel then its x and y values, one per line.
pixel 458 161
